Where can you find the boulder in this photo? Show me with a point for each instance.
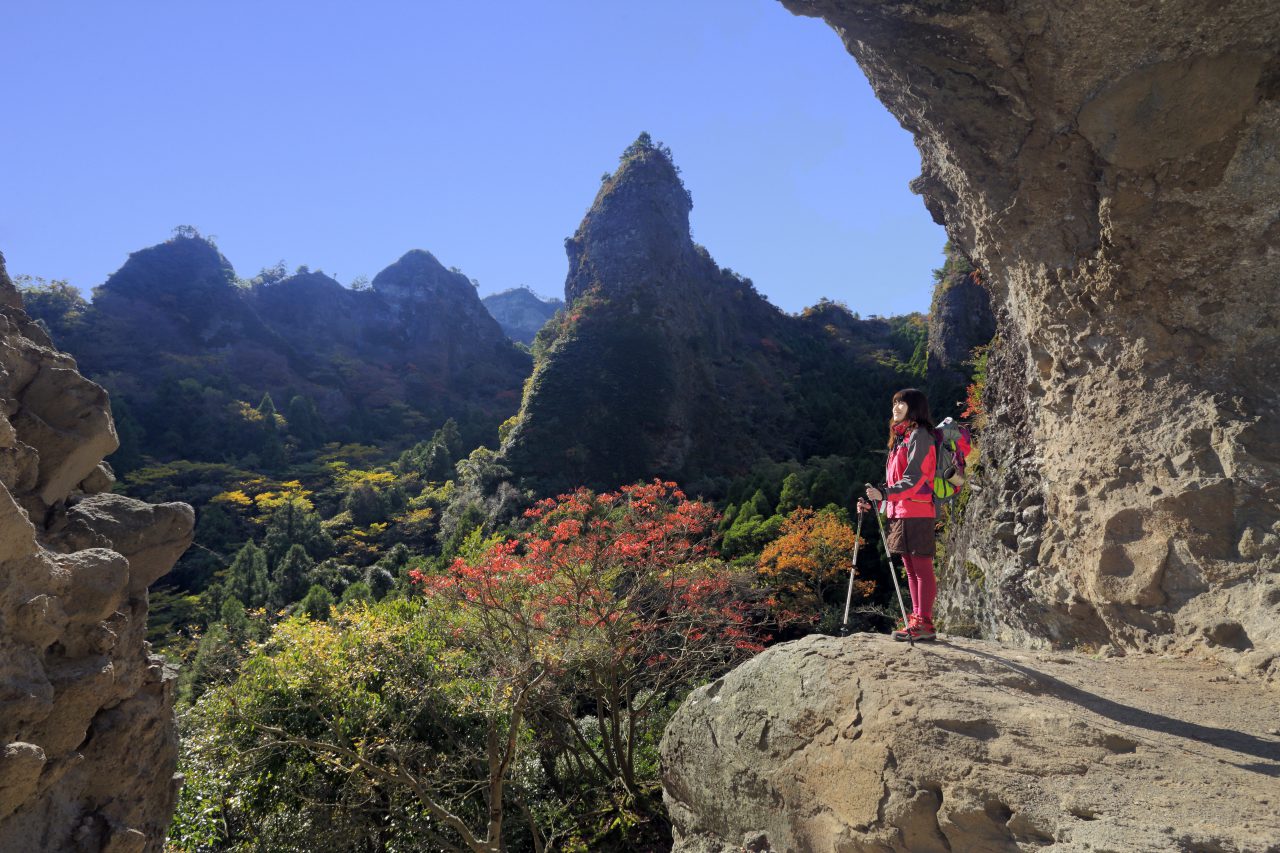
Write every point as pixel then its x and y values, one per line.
pixel 862 744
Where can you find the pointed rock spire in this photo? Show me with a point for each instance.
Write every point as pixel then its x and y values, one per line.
pixel 638 227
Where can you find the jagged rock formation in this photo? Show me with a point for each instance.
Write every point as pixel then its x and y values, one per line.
pixel 665 364
pixel 960 319
pixel 520 312
pixel 1112 171
pixel 961 323
pixel 86 714
pixel 862 744
pixel 417 341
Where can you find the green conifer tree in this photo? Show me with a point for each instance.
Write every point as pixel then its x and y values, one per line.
pixel 270 447
pixel 267 408
pixel 358 591
pixel 760 504
pixel 305 424
pixel 236 619
pixel 289 577
pixel 216 661
pixel 290 524
pixel 794 493
pixel 247 576
pixel 826 490
pixel 316 603
pixel 365 504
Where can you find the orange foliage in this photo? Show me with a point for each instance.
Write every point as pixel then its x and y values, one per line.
pixel 811 558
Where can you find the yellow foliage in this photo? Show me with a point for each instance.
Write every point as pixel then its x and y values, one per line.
pixel 249 413
pixel 289 492
pixel 350 477
pixel 237 498
pixel 415 516
pixel 266 496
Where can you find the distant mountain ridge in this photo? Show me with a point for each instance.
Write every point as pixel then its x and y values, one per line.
pixel 175 328
pixel 521 312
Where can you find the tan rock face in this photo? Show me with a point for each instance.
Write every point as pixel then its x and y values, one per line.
pixel 862 744
pixel 1114 171
pixel 86 713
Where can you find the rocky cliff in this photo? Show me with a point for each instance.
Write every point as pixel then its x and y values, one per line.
pixel 520 312
pixel 863 744
pixel 666 364
pixel 1112 170
pixel 86 713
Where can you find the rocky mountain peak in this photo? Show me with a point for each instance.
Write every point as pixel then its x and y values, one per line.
pixel 637 229
pixel 521 312
pixel 183 292
pixel 417 276
pixel 305 283
pixel 177 268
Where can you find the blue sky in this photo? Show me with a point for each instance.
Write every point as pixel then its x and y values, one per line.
pixel 340 135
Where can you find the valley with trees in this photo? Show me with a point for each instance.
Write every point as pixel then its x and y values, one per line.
pixel 445 594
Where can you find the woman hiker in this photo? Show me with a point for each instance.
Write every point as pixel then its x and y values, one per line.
pixel 908 497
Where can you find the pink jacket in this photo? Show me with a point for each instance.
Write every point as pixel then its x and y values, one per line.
pixel 909 474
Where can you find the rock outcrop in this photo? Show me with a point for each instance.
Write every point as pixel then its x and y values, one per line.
pixel 960 320
pixel 1113 172
pixel 666 364
pixel 86 713
pixel 862 744
pixel 961 326
pixel 520 312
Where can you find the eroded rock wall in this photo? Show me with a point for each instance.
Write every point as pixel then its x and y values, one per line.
pixel 86 713
pixel 1113 169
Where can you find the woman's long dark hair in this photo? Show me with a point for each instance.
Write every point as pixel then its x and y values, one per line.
pixel 917 412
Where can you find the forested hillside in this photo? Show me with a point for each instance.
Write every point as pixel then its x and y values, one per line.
pixel 199 362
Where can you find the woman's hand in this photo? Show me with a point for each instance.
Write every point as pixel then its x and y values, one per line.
pixel 874 494
pixel 864 505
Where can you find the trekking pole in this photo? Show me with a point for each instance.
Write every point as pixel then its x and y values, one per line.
pixel 848 599
pixel 893 574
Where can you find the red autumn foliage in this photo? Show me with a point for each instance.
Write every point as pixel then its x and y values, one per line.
pixel 618 596
pixel 639 559
pixel 973 403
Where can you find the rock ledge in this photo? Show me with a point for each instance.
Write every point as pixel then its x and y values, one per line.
pixel 863 744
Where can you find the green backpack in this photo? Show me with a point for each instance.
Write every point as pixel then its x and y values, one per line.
pixel 953 443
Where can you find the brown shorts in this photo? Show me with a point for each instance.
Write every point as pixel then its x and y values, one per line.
pixel 911 536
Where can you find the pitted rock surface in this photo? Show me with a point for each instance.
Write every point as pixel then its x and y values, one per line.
pixel 86 713
pixel 863 744
pixel 1113 170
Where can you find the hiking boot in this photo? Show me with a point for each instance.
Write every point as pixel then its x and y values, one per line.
pixel 900 633
pixel 919 630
